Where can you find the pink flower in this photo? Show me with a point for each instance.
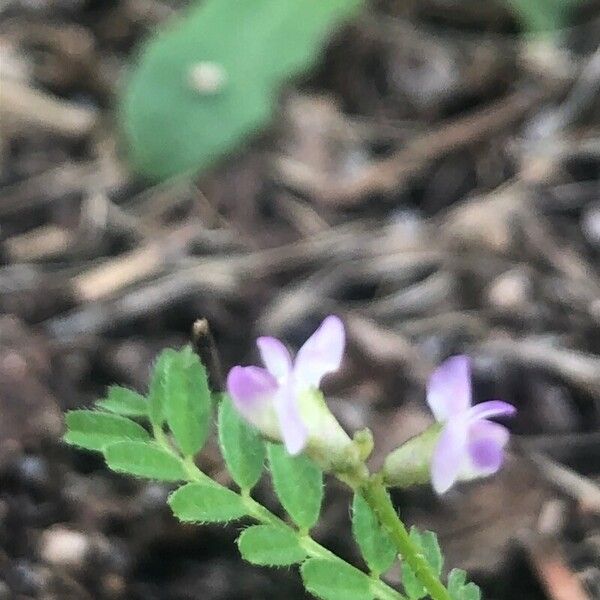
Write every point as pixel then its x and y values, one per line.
pixel 271 398
pixel 470 445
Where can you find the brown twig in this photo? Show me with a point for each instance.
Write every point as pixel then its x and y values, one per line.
pixel 109 277
pixel 583 489
pixel 581 369
pixel 205 347
pixel 389 174
pixel 68 178
pixel 558 579
pixel 23 103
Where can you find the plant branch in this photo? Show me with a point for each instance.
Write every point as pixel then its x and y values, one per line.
pixel 264 516
pixel 376 495
pixel 313 548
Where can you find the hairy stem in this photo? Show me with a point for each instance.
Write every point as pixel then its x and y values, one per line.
pixel 313 548
pixel 376 495
pixel 264 516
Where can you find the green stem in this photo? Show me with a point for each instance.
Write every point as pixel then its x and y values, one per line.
pixel 161 437
pixel 263 515
pixel 313 548
pixel 194 473
pixel 376 495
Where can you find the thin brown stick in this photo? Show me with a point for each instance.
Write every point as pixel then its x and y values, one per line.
pixel 205 347
pixel 558 579
pixel 582 488
pixel 22 103
pixel 387 175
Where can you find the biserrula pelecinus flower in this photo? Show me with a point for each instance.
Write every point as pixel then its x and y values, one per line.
pixel 462 445
pixel 283 401
pixel 470 445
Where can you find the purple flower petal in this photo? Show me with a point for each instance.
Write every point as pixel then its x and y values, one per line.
pixel 485 448
pixel 252 390
pixel 293 430
pixel 449 388
pixel 449 455
pixel 321 353
pixel 491 408
pixel 275 356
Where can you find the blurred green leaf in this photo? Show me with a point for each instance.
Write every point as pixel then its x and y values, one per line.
pixel 298 483
pixel 187 400
pixel 459 589
pixel 241 446
pixel 543 15
pixel 375 544
pixel 271 546
pixel 333 580
pixel 144 459
pixel 211 77
pixel 123 401
pixel 428 543
pixel 95 430
pixel 157 395
pixel 206 503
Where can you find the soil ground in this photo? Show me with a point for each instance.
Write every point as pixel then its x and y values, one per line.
pixel 436 182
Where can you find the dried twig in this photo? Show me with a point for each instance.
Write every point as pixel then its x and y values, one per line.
pixel 112 275
pixel 33 107
pixel 40 243
pixel 571 483
pixel 56 183
pixel 557 578
pixel 389 174
pixel 581 369
pixel 205 347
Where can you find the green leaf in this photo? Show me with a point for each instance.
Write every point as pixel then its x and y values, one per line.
pixel 298 483
pixel 271 546
pixel 206 503
pixel 188 403
pixel 333 580
pixel 95 430
pixel 241 446
pixel 459 589
pixel 144 459
pixel 429 545
pixel 247 49
pixel 543 15
pixel 123 401
pixel 375 544
pixel 157 394
pixel 456 581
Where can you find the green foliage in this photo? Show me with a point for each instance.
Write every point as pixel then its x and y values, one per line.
pixel 543 15
pixel 157 393
pixel 268 545
pixel 206 503
pixel 429 545
pixel 187 401
pixel 333 580
pixel 459 589
pixel 123 401
pixel 375 544
pixel 244 50
pixel 241 446
pixel 298 484
pixel 144 459
pixel 179 397
pixel 94 430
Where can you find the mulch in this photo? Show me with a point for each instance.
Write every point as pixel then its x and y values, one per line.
pixel 435 182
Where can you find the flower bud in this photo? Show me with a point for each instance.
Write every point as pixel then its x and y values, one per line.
pixel 410 464
pixel 328 444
